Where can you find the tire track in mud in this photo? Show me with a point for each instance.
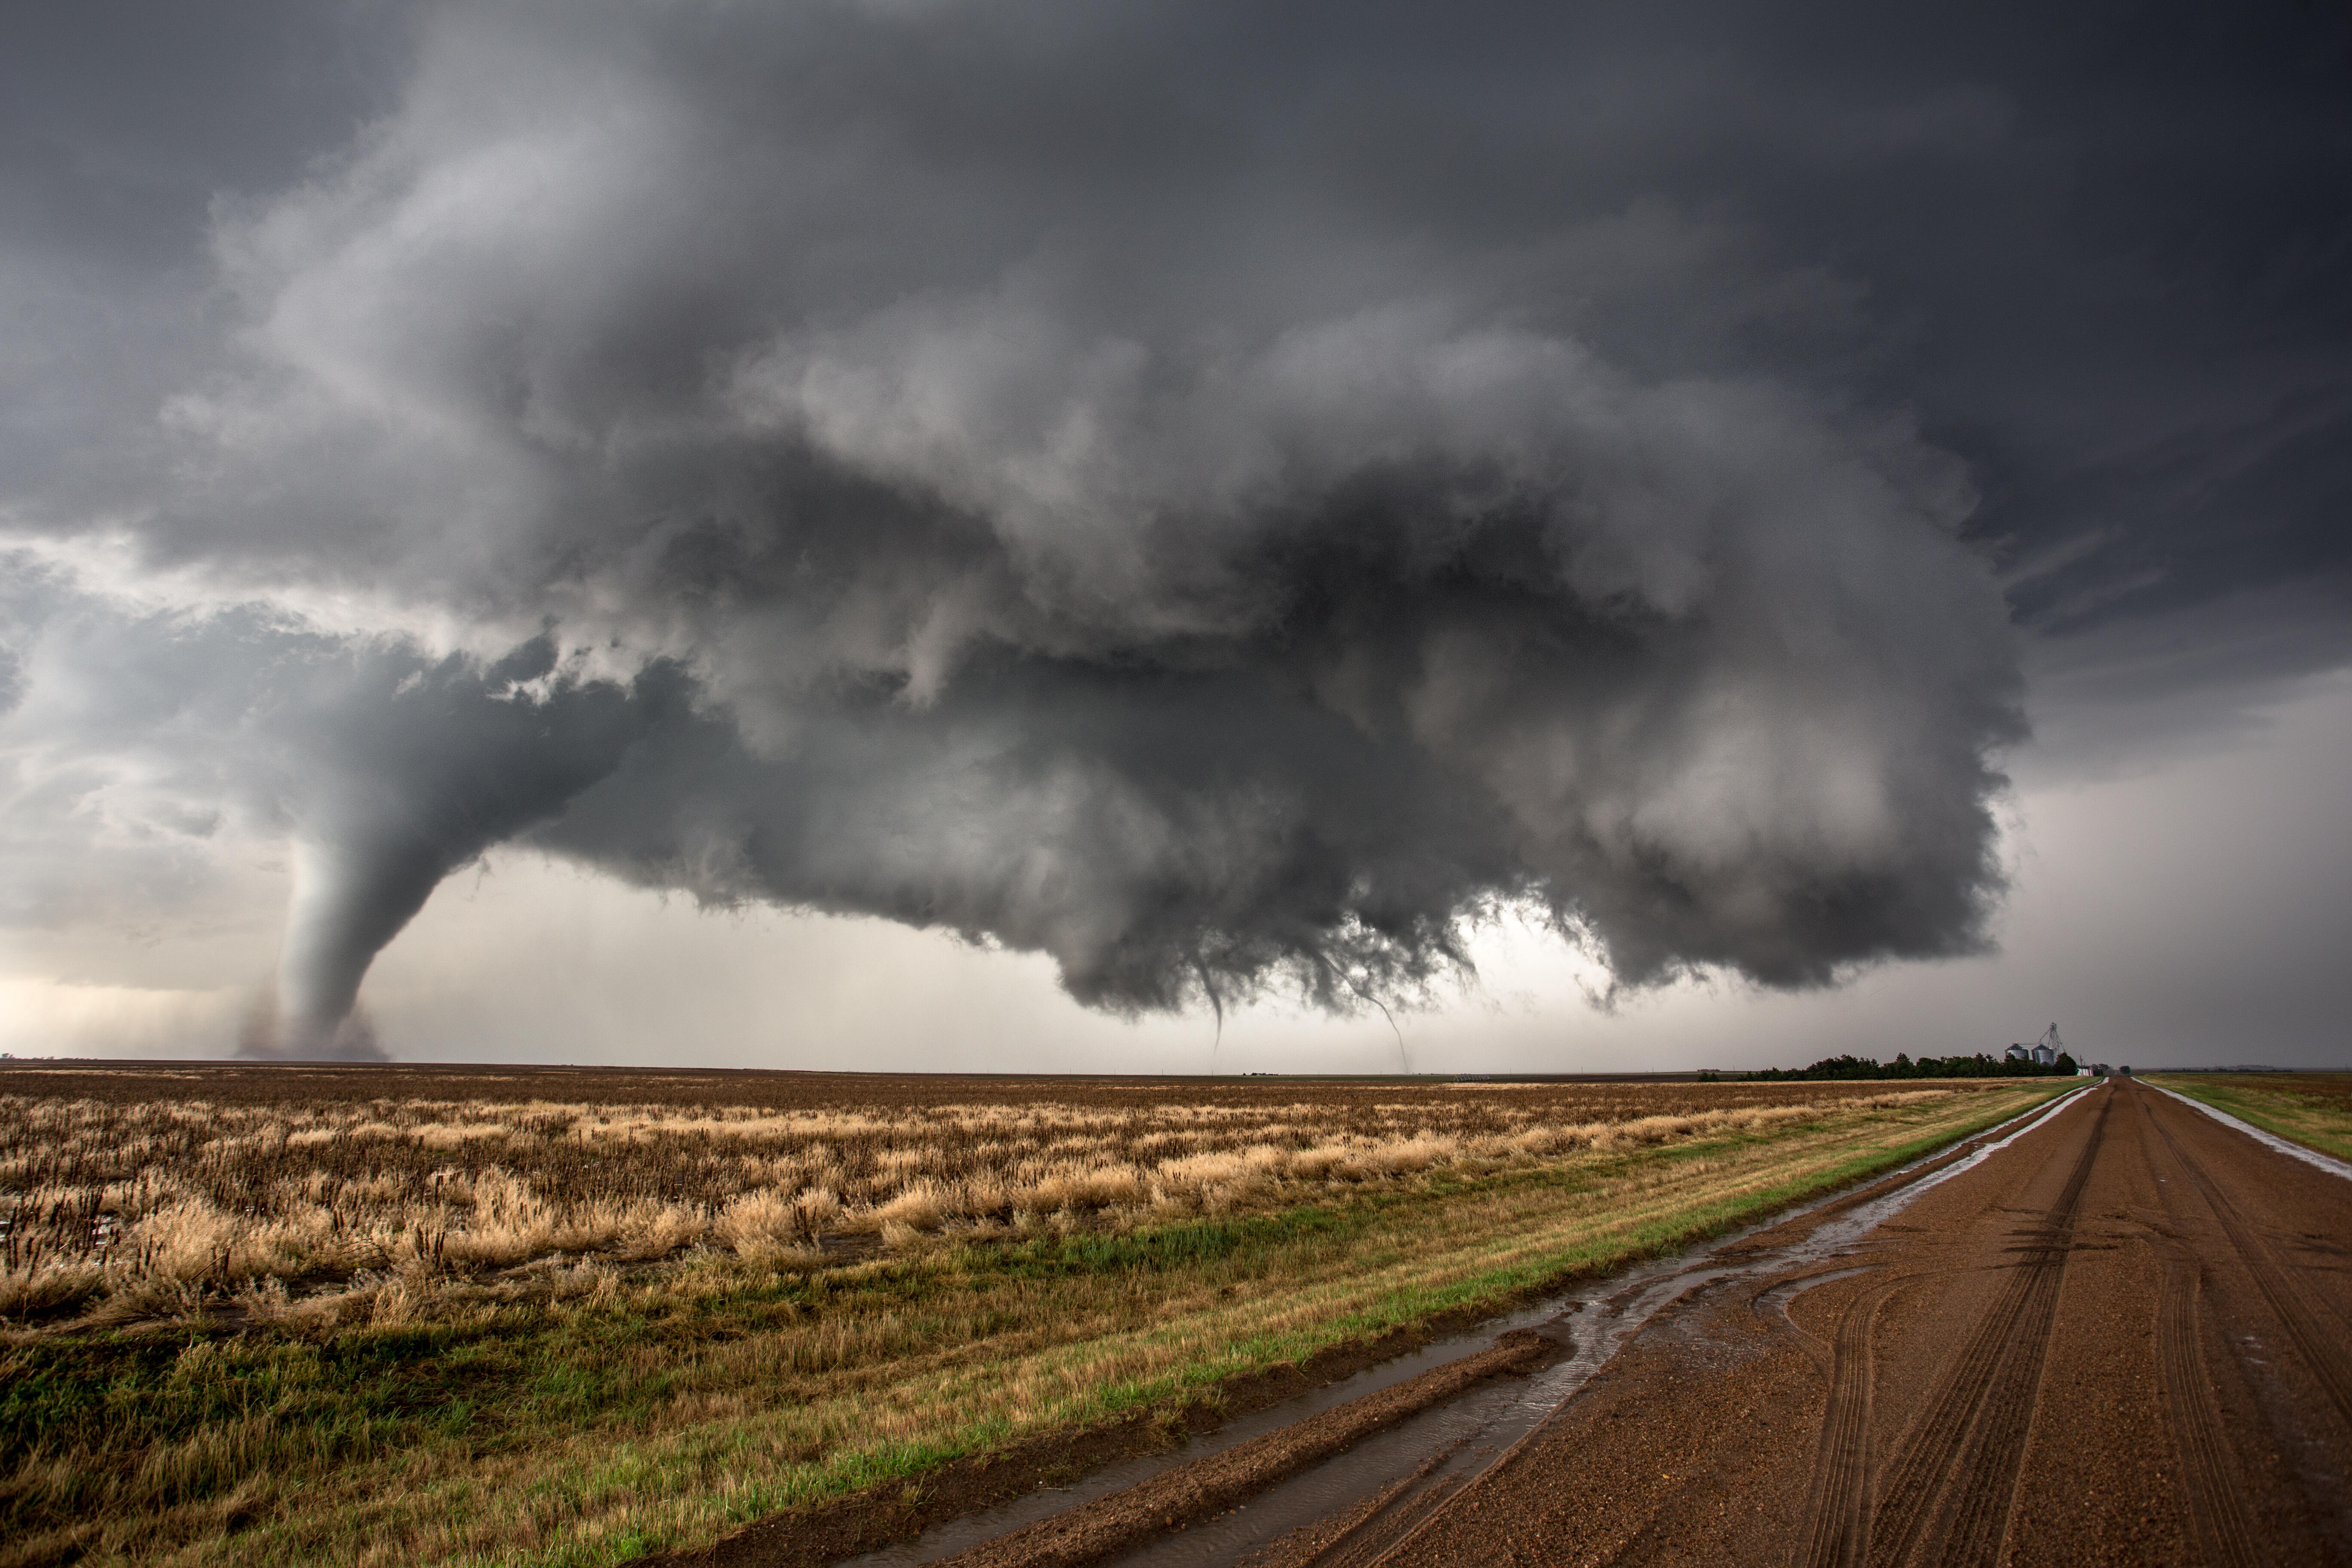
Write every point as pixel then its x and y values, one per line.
pixel 1367 1532
pixel 1371 1547
pixel 1103 1528
pixel 2322 1348
pixel 1951 1485
pixel 2212 1484
pixel 1837 1526
pixel 1974 1515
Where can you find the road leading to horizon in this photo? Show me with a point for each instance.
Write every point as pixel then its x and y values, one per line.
pixel 2124 1338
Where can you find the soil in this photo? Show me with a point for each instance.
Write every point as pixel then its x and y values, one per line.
pixel 2125 1339
pixel 1109 1525
pixel 867 1521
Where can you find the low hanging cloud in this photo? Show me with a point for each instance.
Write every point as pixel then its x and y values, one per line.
pixel 1289 663
pixel 760 459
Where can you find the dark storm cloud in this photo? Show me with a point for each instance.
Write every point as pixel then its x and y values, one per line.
pixel 119 126
pixel 387 766
pixel 1228 494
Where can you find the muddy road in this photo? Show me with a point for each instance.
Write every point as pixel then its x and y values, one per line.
pixel 2120 1331
pixel 2124 1338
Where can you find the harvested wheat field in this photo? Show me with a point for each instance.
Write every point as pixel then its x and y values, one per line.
pixel 506 1316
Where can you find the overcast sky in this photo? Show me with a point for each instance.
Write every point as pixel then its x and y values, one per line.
pixel 1022 536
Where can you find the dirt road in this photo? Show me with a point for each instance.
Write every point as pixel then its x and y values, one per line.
pixel 2118 1331
pixel 2125 1338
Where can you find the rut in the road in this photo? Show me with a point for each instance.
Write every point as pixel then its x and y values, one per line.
pixel 1095 1530
pixel 1369 1535
pixel 1838 1533
pixel 1974 1439
pixel 2212 1484
pixel 2209 1476
pixel 1950 1487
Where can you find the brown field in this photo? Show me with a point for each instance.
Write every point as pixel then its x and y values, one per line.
pixel 282 1315
pixel 129 1192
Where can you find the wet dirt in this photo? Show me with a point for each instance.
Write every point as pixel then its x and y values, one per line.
pixel 972 1501
pixel 2124 1338
pixel 2119 1330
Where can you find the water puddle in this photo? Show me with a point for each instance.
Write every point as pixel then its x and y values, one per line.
pixel 1446 1446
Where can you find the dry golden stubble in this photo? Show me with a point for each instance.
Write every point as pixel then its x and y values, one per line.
pixel 153 1192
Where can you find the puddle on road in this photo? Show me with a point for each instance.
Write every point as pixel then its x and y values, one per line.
pixel 1450 1444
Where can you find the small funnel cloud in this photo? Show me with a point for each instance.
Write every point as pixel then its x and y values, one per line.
pixel 410 772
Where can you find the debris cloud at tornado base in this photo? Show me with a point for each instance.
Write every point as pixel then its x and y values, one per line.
pixel 746 460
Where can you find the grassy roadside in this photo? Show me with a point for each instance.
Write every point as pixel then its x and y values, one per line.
pixel 2313 1109
pixel 665 1409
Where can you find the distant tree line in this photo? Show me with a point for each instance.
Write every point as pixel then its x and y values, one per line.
pixel 1852 1066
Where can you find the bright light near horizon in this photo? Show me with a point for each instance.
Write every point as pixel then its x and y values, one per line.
pixel 529 959
pixel 46 1017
